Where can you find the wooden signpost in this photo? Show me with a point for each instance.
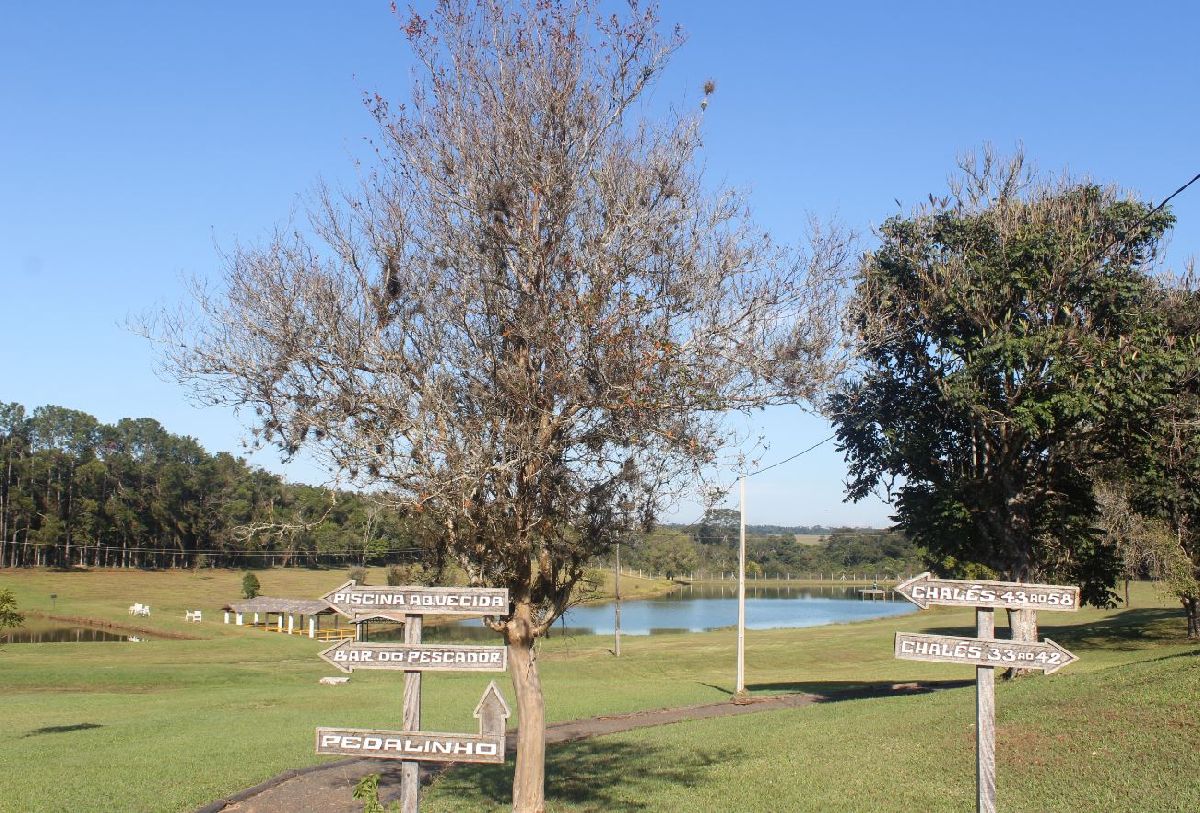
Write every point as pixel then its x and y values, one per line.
pixel 984 650
pixel 412 746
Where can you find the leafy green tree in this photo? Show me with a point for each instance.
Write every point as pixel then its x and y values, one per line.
pixel 671 553
pixel 250 586
pixel 1164 472
pixel 9 617
pixel 1007 351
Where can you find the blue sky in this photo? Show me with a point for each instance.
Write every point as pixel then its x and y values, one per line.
pixel 138 138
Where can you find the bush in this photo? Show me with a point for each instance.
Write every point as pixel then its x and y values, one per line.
pixel 398 575
pixel 250 586
pixel 359 574
pixel 9 617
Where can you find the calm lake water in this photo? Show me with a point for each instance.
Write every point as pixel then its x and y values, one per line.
pixel 697 609
pixel 37 631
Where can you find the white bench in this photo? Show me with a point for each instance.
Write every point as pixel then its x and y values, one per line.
pixel 139 609
pixel 192 615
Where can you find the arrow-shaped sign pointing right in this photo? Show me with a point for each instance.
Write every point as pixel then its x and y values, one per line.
pixel 1045 655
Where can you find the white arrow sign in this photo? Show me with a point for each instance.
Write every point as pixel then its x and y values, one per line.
pixel 426 746
pixel 358 602
pixel 350 655
pixel 923 590
pixel 1046 655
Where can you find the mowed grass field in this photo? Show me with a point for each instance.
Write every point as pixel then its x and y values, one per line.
pixel 168 725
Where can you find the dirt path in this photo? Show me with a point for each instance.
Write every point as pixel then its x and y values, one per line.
pixel 327 788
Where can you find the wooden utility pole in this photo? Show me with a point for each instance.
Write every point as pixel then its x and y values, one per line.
pixel 741 633
pixel 617 605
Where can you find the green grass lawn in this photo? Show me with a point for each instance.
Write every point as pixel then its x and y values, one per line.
pixel 168 725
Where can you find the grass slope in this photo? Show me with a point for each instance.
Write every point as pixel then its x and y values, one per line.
pixel 1113 739
pixel 168 725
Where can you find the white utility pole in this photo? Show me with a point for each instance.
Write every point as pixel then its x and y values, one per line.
pixel 741 644
pixel 617 605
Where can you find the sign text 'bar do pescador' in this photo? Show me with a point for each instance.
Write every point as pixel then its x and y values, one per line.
pixel 349 655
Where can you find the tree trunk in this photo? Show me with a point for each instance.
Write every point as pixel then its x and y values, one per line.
pixel 1192 607
pixel 1024 627
pixel 529 777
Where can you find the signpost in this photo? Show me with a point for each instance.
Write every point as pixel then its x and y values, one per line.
pixel 411 745
pixel 984 650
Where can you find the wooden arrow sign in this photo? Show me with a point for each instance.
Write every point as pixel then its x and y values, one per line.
pixel 1045 655
pixel 426 746
pixel 349 655
pixel 360 602
pixel 923 590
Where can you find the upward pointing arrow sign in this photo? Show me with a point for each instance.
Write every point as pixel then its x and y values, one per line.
pixel 491 712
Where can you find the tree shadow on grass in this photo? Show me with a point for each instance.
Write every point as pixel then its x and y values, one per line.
pixel 832 691
pixel 1123 631
pixel 62 729
pixel 600 775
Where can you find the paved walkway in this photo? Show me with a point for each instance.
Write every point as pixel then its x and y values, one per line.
pixel 327 788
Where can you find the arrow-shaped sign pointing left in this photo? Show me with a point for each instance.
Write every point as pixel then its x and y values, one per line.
pixel 349 655
pixel 924 589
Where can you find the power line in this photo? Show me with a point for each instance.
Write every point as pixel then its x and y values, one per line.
pixel 766 468
pixel 790 459
pixel 1141 221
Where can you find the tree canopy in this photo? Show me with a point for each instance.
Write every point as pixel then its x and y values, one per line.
pixel 75 491
pixel 1162 472
pixel 1010 344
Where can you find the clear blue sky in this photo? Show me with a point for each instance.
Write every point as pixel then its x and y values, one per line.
pixel 136 138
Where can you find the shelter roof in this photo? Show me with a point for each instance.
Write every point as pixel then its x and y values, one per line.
pixel 267 604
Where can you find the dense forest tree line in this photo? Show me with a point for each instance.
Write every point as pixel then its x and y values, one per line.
pixel 711 545
pixel 78 492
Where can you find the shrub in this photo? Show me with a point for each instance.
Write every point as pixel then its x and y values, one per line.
pixel 359 574
pixel 250 586
pixel 405 574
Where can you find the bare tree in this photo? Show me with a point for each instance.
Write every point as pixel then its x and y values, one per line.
pixel 531 316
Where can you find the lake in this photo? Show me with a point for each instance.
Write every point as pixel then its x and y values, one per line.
pixel 698 608
pixel 39 631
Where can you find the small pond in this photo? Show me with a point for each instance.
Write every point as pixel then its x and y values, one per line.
pixel 696 608
pixel 44 631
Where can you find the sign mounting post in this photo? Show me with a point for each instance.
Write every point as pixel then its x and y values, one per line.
pixel 410 770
